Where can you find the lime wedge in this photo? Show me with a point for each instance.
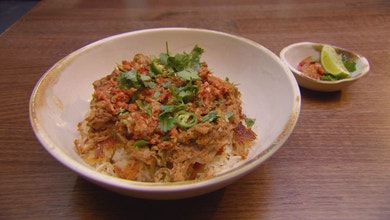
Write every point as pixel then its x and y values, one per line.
pixel 332 62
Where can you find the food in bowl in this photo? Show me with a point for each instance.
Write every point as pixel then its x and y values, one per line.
pixel 269 93
pixel 330 66
pixel 293 54
pixel 164 119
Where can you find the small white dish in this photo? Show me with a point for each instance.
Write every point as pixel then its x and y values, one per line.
pixel 293 54
pixel 269 93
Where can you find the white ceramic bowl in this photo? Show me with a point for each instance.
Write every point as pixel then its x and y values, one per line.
pixel 269 92
pixel 293 54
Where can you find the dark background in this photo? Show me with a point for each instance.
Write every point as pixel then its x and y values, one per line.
pixel 10 11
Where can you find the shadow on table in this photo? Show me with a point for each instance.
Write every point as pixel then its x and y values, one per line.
pixel 321 96
pixel 328 101
pixel 252 197
pixel 94 202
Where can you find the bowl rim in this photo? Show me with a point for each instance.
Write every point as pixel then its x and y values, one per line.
pixel 138 186
pixel 300 74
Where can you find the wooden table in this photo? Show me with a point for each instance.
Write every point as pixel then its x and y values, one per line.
pixel 335 165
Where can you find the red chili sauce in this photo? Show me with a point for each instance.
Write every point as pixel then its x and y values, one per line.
pixel 311 67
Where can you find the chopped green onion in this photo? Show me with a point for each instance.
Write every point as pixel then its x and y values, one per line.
pixel 210 117
pixel 250 122
pixel 229 115
pixel 141 143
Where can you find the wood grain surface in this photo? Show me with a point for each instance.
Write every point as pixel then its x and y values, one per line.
pixel 335 165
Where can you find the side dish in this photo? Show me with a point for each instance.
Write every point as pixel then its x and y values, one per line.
pixel 164 119
pixel 330 66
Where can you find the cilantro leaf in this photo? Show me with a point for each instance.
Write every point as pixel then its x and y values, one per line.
pixel 147 81
pixel 184 96
pixel 350 65
pixel 195 57
pixel 188 75
pixel 128 79
pixel 165 118
pixel 178 62
pixel 166 109
pixel 144 107
pixel 156 94
pixel 187 93
pixel 145 78
pixel 331 77
pixel 164 58
pixel 133 79
pixel 328 77
pixel 166 122
pixel 314 59
pixel 185 65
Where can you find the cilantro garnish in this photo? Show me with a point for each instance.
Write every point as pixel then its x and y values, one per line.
pixel 144 107
pixel 166 109
pixel 166 120
pixel 185 61
pixel 314 59
pixel 184 65
pixel 350 65
pixel 128 79
pixel 188 75
pixel 133 79
pixel 331 77
pixel 184 94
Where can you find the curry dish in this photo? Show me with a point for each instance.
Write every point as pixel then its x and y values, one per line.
pixel 164 119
